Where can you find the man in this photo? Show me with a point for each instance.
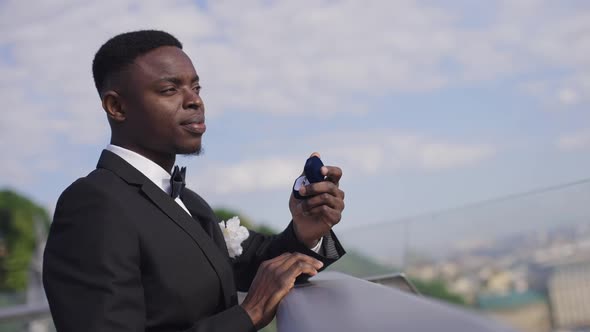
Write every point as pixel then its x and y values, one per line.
pixel 125 254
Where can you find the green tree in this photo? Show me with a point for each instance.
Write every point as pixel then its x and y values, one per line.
pixel 225 213
pixel 358 265
pixel 18 216
pixel 438 290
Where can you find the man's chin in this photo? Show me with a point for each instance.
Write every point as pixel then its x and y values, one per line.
pixel 192 152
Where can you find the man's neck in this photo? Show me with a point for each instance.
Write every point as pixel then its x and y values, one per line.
pixel 166 161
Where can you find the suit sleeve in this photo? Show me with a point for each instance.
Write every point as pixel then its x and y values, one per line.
pixel 92 268
pixel 258 248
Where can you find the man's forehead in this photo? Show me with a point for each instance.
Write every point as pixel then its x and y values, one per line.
pixel 167 61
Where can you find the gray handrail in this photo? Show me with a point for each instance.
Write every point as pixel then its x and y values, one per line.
pixel 398 280
pixel 27 311
pixel 333 301
pixel 31 312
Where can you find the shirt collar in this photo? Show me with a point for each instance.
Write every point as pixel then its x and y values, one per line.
pixel 159 176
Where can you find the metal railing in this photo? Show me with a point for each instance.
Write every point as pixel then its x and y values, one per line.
pixel 24 312
pixel 512 245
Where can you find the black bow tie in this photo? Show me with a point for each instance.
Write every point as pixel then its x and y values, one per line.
pixel 177 181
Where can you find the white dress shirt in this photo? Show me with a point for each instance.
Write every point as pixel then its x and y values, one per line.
pixel 159 176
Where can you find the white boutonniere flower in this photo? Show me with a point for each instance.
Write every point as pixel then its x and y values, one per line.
pixel 234 234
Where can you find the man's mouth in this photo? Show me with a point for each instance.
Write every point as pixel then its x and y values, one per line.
pixel 196 126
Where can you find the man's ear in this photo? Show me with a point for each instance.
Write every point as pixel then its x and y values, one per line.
pixel 113 106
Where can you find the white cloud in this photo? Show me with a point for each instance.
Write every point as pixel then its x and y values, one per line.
pixel 568 96
pixel 387 151
pixel 305 57
pixel 554 37
pixel 368 153
pixel 574 141
pixel 248 175
pixel 441 156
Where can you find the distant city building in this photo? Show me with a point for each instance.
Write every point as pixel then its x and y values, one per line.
pixel 503 277
pixel 448 270
pixel 527 312
pixel 500 282
pixel 424 272
pixel 569 293
pixel 466 287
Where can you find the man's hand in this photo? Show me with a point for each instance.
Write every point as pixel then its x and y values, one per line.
pixel 314 217
pixel 273 281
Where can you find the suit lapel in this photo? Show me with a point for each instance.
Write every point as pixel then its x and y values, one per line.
pixel 204 215
pixel 216 257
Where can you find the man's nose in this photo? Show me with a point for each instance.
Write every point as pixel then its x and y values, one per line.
pixel 192 99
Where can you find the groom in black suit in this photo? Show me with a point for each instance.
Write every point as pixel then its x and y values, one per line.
pixel 126 254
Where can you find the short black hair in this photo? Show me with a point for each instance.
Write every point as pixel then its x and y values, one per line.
pixel 121 50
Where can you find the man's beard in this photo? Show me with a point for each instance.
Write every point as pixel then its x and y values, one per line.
pixel 198 152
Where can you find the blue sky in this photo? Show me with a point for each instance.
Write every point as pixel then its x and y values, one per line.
pixel 424 104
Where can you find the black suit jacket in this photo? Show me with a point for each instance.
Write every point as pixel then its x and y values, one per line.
pixel 123 256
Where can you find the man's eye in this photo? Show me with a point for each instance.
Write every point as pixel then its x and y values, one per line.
pixel 168 90
pixel 197 88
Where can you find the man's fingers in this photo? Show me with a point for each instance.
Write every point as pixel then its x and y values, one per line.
pixel 320 188
pixel 296 258
pixel 285 261
pixel 296 267
pixel 332 174
pixel 274 279
pixel 326 214
pixel 291 267
pixel 323 199
pixel 277 261
pixel 296 270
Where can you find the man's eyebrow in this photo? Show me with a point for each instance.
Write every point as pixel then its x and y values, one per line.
pixel 177 80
